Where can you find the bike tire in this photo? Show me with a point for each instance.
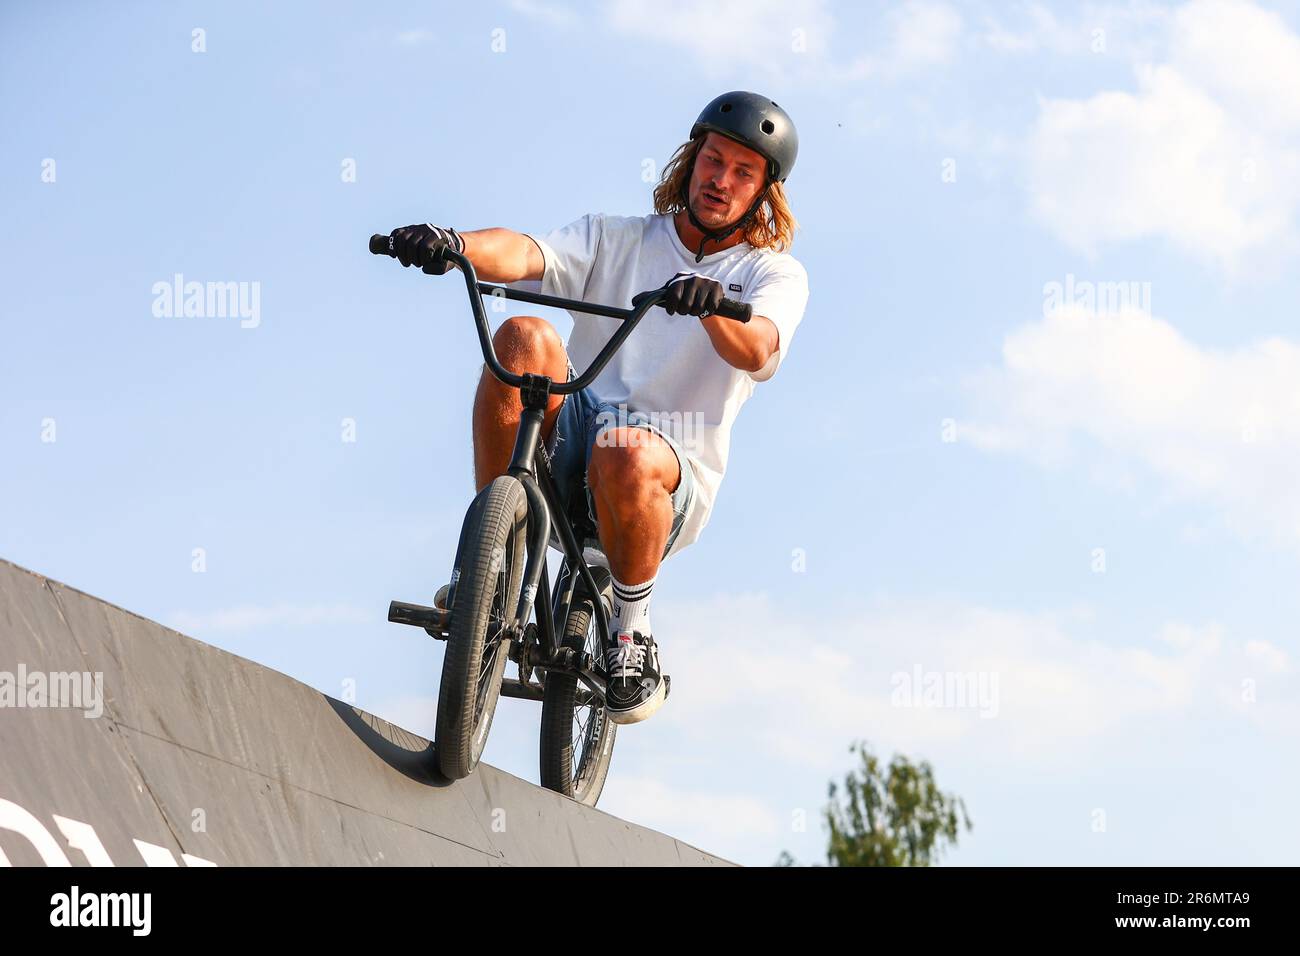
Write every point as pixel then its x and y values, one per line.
pixel 577 742
pixel 487 579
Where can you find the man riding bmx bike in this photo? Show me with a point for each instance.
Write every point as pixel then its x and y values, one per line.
pixel 643 450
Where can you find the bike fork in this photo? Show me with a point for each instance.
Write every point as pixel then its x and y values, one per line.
pixel 534 395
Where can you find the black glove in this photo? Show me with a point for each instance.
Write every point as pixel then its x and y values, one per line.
pixel 423 246
pixel 692 294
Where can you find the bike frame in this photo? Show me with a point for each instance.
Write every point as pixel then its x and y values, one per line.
pixel 543 499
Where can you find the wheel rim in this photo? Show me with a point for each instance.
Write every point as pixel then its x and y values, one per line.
pixel 588 719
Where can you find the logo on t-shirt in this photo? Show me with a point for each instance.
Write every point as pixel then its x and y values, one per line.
pixel 734 287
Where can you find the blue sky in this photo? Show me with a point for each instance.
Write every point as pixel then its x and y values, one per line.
pixel 1088 503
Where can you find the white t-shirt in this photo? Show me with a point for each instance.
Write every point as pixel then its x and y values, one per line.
pixel 668 369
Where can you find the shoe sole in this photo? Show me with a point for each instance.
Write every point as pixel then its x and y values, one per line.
pixel 642 710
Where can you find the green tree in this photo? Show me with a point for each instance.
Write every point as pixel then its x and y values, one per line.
pixel 891 817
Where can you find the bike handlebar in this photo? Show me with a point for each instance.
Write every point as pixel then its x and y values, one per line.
pixel 642 302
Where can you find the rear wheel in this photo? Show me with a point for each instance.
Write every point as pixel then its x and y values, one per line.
pixel 482 597
pixel 577 742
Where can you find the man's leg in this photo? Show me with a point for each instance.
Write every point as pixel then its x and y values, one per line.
pixel 523 343
pixel 632 476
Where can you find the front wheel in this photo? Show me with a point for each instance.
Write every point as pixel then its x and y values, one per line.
pixel 577 742
pixel 482 598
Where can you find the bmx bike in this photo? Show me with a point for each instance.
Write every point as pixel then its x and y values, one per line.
pixel 499 580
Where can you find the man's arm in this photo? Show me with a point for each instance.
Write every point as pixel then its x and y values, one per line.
pixel 743 345
pixel 501 255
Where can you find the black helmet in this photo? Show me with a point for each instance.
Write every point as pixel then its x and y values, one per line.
pixel 756 122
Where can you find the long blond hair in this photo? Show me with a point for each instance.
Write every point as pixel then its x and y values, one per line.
pixel 773 224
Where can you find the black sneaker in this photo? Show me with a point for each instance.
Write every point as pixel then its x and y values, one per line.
pixel 635 687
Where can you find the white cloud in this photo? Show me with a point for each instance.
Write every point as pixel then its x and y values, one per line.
pixel 1004 40
pixel 725 34
pixel 555 14
pixel 766 680
pixel 249 617
pixel 1205 152
pixel 924 35
pixel 413 37
pixel 763 35
pixel 921 35
pixel 1244 56
pixel 1128 30
pixel 1216 427
pixel 1274 659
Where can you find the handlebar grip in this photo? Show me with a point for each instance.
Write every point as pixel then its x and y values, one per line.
pixel 731 309
pixel 727 308
pixel 383 246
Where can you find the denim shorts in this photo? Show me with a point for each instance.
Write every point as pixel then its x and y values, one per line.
pixel 583 416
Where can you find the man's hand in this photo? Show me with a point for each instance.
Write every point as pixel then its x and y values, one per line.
pixel 423 245
pixel 690 293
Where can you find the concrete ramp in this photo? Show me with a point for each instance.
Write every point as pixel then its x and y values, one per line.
pixel 188 755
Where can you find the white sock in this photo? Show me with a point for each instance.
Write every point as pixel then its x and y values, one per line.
pixel 632 607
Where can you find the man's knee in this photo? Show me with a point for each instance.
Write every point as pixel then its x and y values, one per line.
pixel 626 466
pixel 527 343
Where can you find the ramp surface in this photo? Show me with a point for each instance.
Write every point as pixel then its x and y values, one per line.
pixel 201 757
